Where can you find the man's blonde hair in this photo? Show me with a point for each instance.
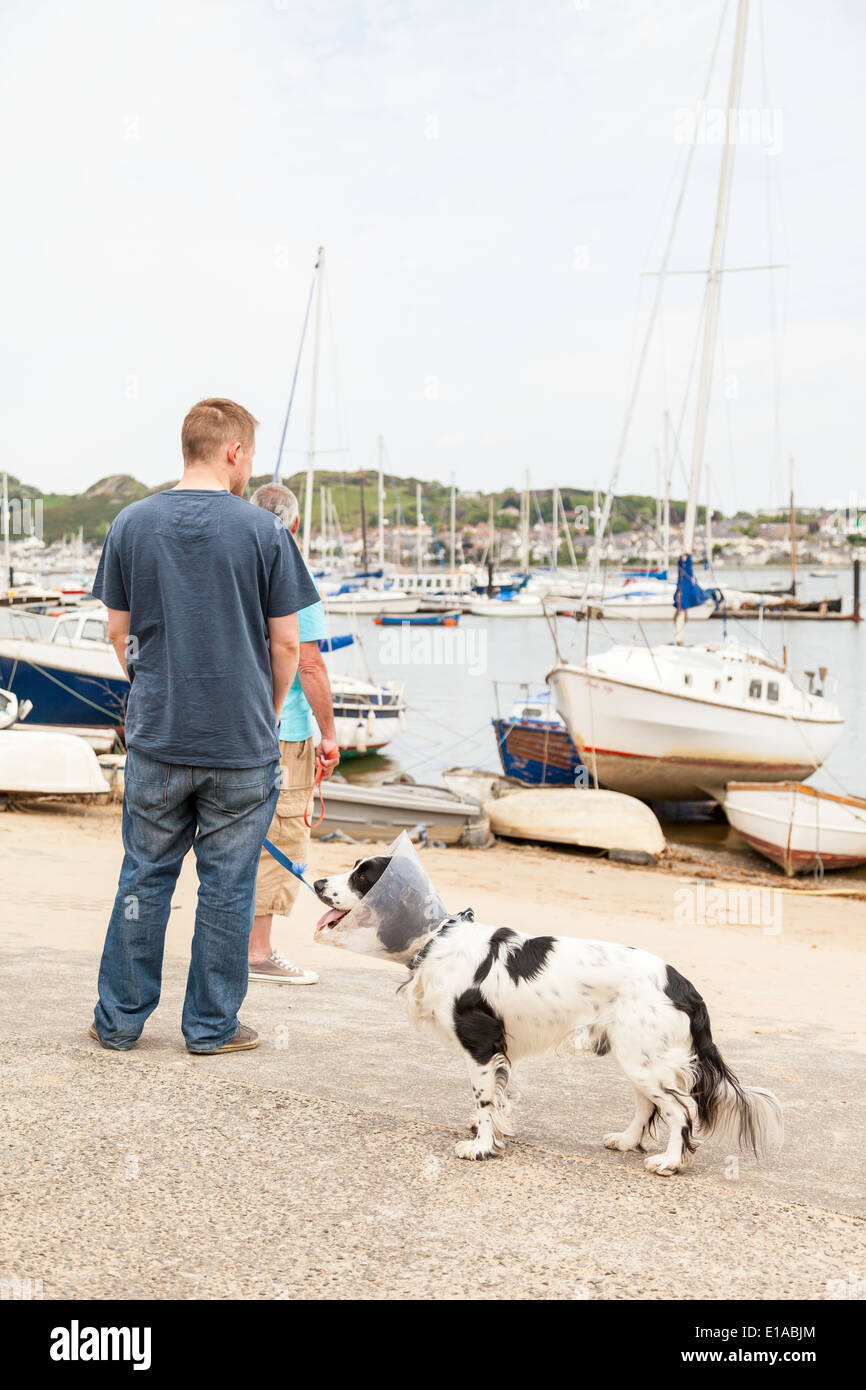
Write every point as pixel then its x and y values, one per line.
pixel 273 497
pixel 212 424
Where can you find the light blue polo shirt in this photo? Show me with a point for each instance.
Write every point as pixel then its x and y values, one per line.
pixel 296 720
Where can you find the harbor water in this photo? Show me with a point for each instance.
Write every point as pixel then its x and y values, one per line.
pixel 451 675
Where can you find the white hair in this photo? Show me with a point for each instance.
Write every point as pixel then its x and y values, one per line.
pixel 273 497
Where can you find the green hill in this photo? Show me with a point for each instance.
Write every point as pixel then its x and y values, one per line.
pixel 95 508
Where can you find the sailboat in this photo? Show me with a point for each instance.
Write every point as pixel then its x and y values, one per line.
pixel 366 715
pixel 680 722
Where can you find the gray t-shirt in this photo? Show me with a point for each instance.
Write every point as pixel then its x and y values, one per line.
pixel 200 573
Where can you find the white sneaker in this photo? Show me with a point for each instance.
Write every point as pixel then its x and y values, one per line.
pixel 282 971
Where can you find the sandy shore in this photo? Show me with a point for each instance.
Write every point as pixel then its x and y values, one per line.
pixel 322 1163
pixel 60 873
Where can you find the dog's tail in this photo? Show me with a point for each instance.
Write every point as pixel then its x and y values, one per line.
pixel 749 1116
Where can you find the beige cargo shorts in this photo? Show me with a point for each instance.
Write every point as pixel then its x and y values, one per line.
pixel 276 888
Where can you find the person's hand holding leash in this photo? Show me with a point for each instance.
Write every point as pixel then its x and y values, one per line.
pixel 327 756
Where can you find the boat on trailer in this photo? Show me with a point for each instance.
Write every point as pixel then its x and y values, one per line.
pixel 798 827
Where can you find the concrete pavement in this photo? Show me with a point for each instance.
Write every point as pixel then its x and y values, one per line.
pixel 321 1164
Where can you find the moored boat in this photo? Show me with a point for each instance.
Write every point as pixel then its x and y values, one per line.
pixel 66 668
pixel 798 827
pixel 367 716
pixel 448 619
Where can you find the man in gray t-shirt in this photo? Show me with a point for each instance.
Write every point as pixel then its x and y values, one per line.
pixel 202 592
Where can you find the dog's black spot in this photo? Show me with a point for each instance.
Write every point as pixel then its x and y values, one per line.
pixel 523 962
pixel 527 961
pixel 602 1045
pixel 367 872
pixel 479 1029
pixel 501 937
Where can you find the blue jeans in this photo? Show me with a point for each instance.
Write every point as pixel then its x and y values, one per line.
pixel 223 814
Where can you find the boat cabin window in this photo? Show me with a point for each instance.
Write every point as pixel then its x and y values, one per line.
pixel 772 690
pixel 533 712
pixel 94 631
pixel 687 678
pixel 755 689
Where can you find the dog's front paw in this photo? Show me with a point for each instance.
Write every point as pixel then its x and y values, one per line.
pixel 620 1141
pixel 658 1164
pixel 474 1148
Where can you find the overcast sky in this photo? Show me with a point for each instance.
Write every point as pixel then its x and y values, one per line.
pixel 489 181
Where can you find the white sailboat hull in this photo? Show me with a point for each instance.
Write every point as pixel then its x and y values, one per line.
pixel 648 610
pixel 507 608
pixel 655 743
pixel 371 601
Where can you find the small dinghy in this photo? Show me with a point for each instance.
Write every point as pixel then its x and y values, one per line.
pixel 449 619
pixel 797 826
pixel 380 812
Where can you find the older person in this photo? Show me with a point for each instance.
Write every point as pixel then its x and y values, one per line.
pixel 309 696
pixel 202 592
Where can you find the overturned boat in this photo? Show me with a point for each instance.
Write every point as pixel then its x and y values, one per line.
pixel 579 816
pixel 44 763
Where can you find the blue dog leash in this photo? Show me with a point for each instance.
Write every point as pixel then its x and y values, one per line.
pixel 297 869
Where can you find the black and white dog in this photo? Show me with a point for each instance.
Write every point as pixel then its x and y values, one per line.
pixel 502 995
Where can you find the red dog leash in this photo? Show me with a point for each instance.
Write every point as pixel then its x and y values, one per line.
pixel 316 782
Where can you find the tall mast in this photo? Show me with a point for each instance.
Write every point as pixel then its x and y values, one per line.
pixel 567 529
pixel 524 513
pixel 419 543
pixel 711 309
pixel 793 533
pixel 708 520
pixel 381 504
pixel 554 534
pixel 324 546
pixel 658 500
pixel 7 551
pixel 363 526
pixel 311 453
pixel 666 515
pixel 453 525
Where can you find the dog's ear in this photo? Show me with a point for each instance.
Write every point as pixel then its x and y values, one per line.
pixel 367 872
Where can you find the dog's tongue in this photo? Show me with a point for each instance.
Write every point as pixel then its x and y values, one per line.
pixel 334 914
